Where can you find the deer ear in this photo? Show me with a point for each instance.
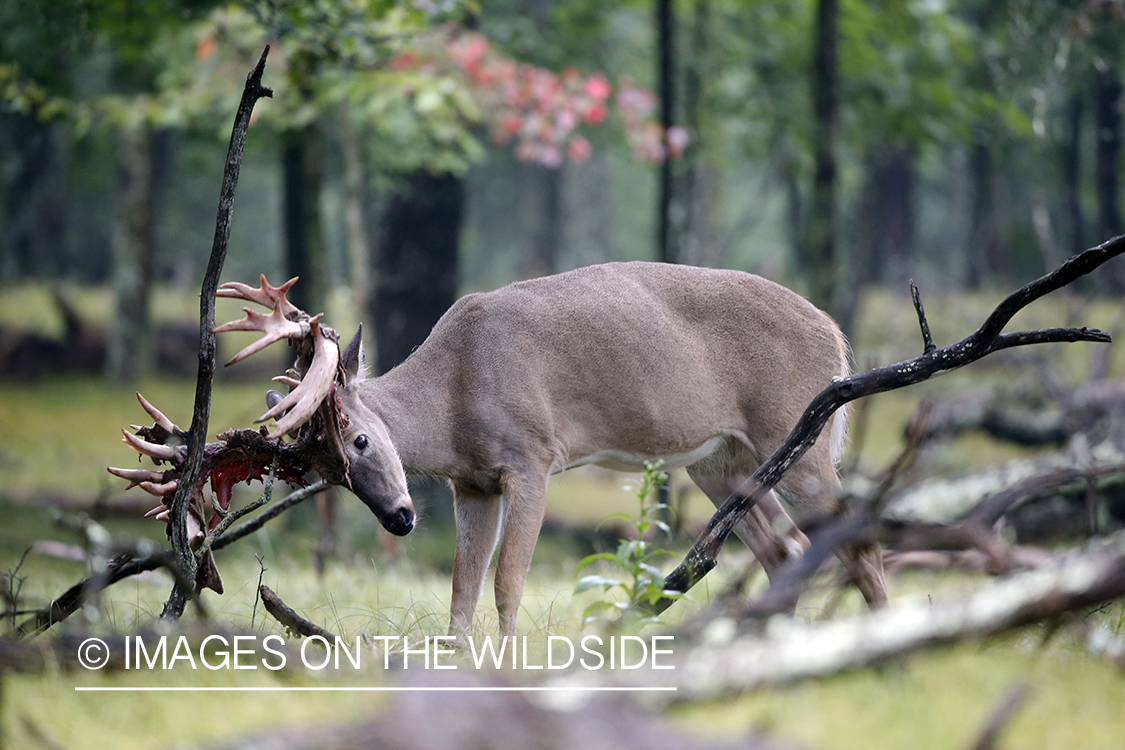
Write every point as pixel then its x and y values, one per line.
pixel 353 359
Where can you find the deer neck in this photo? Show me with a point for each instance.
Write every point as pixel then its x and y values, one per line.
pixel 417 414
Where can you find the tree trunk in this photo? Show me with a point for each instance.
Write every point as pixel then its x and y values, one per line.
pixel 821 242
pixel 547 220
pixel 692 235
pixel 890 215
pixel 1108 161
pixel 416 264
pixel 794 204
pixel 131 353
pixel 986 256
pixel 306 255
pixel 666 245
pixel 1072 176
pixel 355 180
pixel 33 241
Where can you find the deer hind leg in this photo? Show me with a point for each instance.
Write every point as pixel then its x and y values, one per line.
pixel 864 563
pixel 525 498
pixel 813 488
pixel 478 525
pixel 766 528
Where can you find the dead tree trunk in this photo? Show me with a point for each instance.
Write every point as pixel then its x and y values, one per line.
pixel 186 560
pixel 667 251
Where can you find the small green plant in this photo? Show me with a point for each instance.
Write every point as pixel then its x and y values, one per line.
pixel 639 579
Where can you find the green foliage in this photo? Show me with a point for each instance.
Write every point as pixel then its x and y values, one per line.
pixel 641 581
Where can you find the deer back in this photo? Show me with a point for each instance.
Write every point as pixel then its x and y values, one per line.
pixel 611 364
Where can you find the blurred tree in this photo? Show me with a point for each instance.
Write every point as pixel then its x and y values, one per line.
pixel 34 152
pixel 1108 103
pixel 111 40
pixel 417 264
pixel 667 245
pixel 820 260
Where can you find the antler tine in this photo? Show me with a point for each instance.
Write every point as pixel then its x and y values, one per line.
pixel 275 326
pixel 307 396
pixel 272 297
pixel 162 512
pixel 162 489
pixel 152 450
pixel 137 476
pixel 157 416
pixel 288 380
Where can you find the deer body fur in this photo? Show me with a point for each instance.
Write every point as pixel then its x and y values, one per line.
pixel 614 365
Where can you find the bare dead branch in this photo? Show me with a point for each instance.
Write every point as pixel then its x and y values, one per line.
pixel 267 515
pixel 1020 557
pixel 185 558
pixel 1000 717
pixel 984 341
pixel 928 344
pixel 288 617
pixel 73 598
pixel 983 497
pixel 124 567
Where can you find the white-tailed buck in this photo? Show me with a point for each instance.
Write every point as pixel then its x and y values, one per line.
pixel 613 365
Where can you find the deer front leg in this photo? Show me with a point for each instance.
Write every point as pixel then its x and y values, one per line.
pixel 478 526
pixel 526 504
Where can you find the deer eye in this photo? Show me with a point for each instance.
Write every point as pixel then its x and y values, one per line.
pixel 360 442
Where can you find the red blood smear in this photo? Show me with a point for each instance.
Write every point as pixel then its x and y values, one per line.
pixel 231 472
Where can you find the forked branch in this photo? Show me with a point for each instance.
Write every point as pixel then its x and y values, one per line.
pixel 982 342
pixel 197 435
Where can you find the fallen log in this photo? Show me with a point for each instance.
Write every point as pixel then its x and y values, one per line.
pixel 721 661
pixel 943 500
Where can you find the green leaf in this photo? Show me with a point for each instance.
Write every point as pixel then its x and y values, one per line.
pixel 593 559
pixel 656 573
pixel 629 551
pixel 623 516
pixel 592 582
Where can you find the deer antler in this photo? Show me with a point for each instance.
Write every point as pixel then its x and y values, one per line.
pixel 237 456
pixel 247 454
pixel 151 442
pixel 320 348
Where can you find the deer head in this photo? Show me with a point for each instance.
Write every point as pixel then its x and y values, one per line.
pixel 322 436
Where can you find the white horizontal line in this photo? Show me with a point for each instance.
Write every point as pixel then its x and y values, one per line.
pixel 364 689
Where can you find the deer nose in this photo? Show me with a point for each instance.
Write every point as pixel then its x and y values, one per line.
pixel 401 522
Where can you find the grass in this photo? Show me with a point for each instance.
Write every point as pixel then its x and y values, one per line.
pixel 57 435
pixel 937 699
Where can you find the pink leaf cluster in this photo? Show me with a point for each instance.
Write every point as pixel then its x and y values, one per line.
pixel 542 112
